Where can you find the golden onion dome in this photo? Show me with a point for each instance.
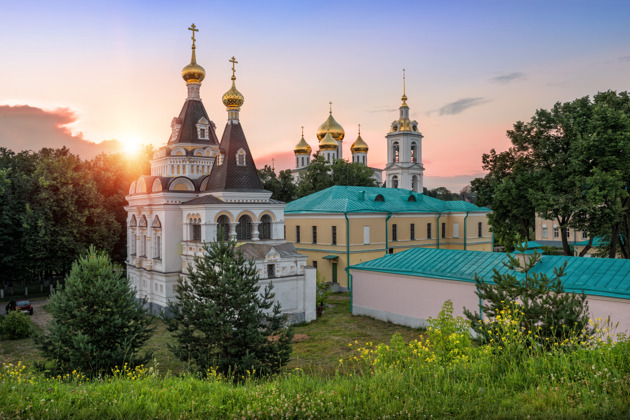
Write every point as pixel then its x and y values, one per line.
pixel 302 148
pixel 233 98
pixel 328 142
pixel 193 73
pixel 331 126
pixel 359 146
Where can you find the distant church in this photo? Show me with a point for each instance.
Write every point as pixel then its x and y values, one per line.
pixel 404 167
pixel 199 187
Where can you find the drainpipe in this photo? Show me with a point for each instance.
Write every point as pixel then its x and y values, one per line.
pixel 348 275
pixel 465 229
pixel 389 214
pixel 493 241
pixel 438 230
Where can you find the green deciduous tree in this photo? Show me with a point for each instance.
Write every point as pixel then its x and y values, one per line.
pixel 282 186
pixel 547 309
pixel 97 322
pixel 222 321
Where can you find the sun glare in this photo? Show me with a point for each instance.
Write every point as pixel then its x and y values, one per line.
pixel 130 147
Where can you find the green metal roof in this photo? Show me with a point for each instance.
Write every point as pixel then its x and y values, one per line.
pixel 530 245
pixel 341 199
pixel 593 276
pixel 331 257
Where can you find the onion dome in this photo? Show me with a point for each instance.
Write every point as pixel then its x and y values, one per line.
pixel 359 146
pixel 328 143
pixel 233 99
pixel 193 73
pixel 302 148
pixel 331 126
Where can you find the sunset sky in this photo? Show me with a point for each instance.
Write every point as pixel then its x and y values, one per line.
pixel 81 72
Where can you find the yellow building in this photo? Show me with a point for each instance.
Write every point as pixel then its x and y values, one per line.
pixel 341 226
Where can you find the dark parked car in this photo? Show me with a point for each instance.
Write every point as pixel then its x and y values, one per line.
pixel 21 305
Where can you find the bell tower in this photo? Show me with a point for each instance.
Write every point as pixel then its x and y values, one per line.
pixel 404 151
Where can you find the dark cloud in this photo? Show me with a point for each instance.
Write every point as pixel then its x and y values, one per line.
pixel 507 78
pixel 24 127
pixel 625 58
pixel 461 105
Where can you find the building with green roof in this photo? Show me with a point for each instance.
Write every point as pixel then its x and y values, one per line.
pixel 342 225
pixel 409 287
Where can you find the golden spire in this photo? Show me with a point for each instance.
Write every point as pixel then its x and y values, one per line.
pixel 330 103
pixel 193 73
pixel 233 99
pixel 404 97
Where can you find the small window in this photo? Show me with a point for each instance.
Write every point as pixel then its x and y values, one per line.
pixel 412 232
pixel 556 232
pixel 157 248
pixel 394 232
pixel 334 235
pixel 314 234
pixel 315 264
pixel 379 197
pixel 271 270
pixel 244 228
pixel 480 229
pixel 429 236
pixel 443 230
pixel 196 232
pixel 584 235
pixel 366 234
pixel 455 230
pixel 297 234
pixel 545 232
pixel 240 157
pixel 202 133
pixel 395 181
pixel 390 250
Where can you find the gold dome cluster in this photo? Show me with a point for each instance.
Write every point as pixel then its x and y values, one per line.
pixel 233 99
pixel 302 148
pixel 193 73
pixel 331 126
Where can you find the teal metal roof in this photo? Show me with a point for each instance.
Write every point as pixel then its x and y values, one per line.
pixel 341 199
pixel 593 276
pixel 530 245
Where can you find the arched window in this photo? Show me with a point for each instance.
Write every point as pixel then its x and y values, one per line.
pixel 244 228
pixel 396 152
pixel 395 181
pixel 414 153
pixel 240 157
pixel 157 238
pixel 223 228
pixel 414 183
pixel 264 228
pixel 379 197
pixel 196 229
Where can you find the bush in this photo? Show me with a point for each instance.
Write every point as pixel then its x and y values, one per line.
pixel 222 321
pixel 16 325
pixel 97 323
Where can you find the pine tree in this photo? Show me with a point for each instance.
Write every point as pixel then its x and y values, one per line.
pixel 222 321
pixel 97 323
pixel 548 310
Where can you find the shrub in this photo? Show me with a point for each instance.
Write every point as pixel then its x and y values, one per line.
pixel 222 322
pixel 16 325
pixel 97 323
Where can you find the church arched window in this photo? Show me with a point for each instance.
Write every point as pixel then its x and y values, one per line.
pixel 414 183
pixel 240 157
pixel 223 228
pixel 395 181
pixel 414 152
pixel 264 228
pixel 396 153
pixel 244 228
pixel 195 229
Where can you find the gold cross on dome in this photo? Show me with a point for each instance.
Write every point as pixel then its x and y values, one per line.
pixel 194 29
pixel 233 61
pixel 302 131
pixel 403 81
pixel 359 129
pixel 330 103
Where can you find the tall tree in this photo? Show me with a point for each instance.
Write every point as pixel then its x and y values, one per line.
pixel 282 186
pixel 222 320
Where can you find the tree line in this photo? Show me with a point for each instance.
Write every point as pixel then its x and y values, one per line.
pixel 54 205
pixel 569 164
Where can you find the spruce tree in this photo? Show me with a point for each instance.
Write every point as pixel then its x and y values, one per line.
pixel 97 323
pixel 221 319
pixel 547 309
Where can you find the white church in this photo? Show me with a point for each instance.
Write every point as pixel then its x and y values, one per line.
pixel 404 167
pixel 199 187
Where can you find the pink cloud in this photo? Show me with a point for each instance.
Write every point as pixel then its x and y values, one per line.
pixel 23 127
